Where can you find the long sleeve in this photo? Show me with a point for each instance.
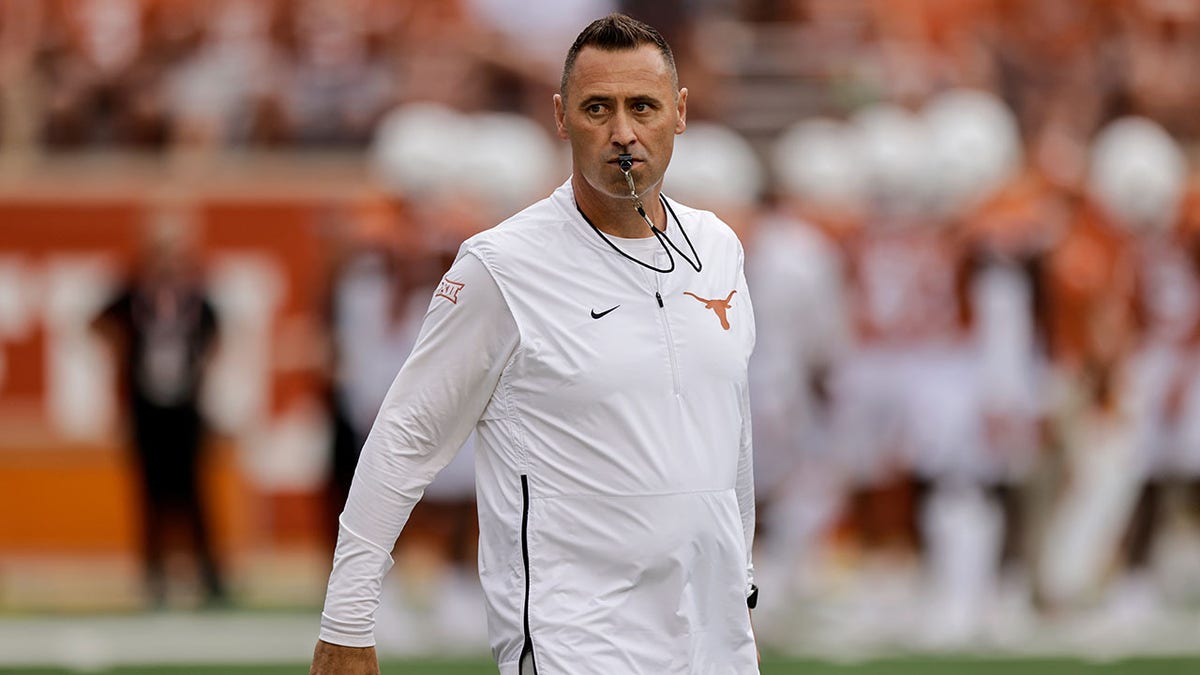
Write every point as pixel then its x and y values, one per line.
pixel 745 468
pixel 745 489
pixel 434 402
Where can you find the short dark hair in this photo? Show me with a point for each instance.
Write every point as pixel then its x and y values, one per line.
pixel 618 32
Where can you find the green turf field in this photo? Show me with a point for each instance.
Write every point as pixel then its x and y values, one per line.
pixel 893 666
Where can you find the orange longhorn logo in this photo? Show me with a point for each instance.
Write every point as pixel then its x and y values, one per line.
pixel 719 307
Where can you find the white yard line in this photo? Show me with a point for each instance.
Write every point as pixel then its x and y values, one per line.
pixel 98 642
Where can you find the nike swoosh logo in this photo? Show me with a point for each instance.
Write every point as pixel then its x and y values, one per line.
pixel 600 315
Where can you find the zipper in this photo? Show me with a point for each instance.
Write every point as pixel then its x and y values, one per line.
pixel 666 324
pixel 527 648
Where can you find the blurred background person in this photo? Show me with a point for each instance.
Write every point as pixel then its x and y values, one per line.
pixel 985 382
pixel 222 90
pixel 1093 329
pixel 369 292
pixel 104 74
pixel 382 281
pixel 1137 333
pixel 902 292
pixel 335 85
pixel 165 329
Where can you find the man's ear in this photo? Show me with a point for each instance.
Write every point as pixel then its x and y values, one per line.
pixel 681 109
pixel 560 116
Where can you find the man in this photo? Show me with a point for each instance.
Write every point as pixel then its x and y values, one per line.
pixel 166 331
pixel 603 365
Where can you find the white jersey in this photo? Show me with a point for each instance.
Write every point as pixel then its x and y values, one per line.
pixel 613 471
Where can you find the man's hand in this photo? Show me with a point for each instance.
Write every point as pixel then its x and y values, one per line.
pixel 331 659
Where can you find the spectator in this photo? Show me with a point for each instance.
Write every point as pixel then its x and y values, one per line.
pixel 166 329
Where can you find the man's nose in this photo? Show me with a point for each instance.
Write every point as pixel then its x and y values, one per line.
pixel 622 131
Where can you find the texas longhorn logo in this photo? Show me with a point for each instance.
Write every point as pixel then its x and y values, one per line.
pixel 719 307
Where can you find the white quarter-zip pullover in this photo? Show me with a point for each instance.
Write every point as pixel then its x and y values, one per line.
pixel 613 471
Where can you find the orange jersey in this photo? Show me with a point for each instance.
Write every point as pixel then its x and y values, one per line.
pixel 1019 220
pixel 1093 308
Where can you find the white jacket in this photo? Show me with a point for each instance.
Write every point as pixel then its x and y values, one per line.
pixel 613 473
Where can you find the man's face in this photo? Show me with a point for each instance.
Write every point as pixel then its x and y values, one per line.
pixel 620 102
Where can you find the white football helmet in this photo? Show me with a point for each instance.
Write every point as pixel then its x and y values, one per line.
pixel 976 147
pixel 896 159
pixel 714 167
pixel 418 148
pixel 1138 173
pixel 817 161
pixel 508 162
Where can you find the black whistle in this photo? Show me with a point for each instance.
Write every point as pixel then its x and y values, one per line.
pixel 625 162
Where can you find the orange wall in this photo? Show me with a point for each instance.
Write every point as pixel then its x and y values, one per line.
pixel 85 500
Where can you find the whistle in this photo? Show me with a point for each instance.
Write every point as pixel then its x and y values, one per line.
pixel 625 161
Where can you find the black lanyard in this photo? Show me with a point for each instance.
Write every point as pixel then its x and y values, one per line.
pixel 663 240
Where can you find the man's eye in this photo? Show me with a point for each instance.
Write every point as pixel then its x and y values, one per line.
pixel 595 108
pixel 641 107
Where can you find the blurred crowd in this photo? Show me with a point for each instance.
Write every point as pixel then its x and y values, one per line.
pixel 972 232
pixel 155 74
pixel 160 74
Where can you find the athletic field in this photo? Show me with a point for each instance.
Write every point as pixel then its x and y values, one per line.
pixel 896 666
pixel 239 642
